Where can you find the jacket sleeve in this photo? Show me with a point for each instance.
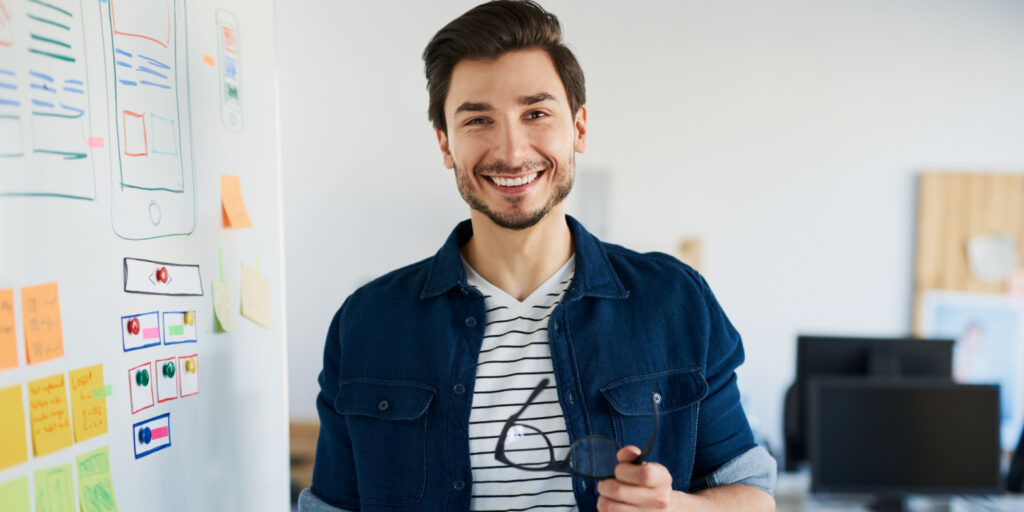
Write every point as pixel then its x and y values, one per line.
pixel 722 429
pixel 334 473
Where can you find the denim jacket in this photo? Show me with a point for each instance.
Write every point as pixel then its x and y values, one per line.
pixel 400 362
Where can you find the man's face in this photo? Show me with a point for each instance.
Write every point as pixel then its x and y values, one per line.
pixel 511 137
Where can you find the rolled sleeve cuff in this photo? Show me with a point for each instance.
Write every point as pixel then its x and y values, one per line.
pixel 309 502
pixel 754 467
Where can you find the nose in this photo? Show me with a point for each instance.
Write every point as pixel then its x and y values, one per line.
pixel 513 143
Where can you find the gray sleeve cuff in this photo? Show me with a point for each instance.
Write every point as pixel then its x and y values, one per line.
pixel 308 502
pixel 754 467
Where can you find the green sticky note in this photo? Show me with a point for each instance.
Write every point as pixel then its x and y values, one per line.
pixel 95 483
pixel 176 330
pixel 14 495
pixel 102 392
pixel 55 489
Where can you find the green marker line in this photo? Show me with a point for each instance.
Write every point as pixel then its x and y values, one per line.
pixel 51 22
pixel 68 155
pixel 48 40
pixel 51 114
pixel 51 54
pixel 51 6
pixel 9 116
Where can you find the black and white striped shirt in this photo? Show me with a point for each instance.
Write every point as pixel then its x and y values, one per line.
pixel 514 357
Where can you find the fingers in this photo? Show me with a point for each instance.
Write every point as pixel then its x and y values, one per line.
pixel 628 453
pixel 614 496
pixel 648 474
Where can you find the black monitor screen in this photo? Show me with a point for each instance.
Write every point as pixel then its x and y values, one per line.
pixel 903 436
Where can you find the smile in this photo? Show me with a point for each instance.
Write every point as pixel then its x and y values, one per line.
pixel 514 182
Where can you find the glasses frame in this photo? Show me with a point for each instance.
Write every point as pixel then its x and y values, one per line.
pixel 564 466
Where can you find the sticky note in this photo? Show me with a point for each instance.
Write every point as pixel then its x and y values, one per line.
pixel 208 60
pixel 255 296
pixel 8 337
pixel 40 312
pixel 95 142
pixel 88 412
pixel 48 411
pixel 232 203
pixel 13 446
pixel 222 300
pixel 55 491
pixel 14 495
pixel 103 391
pixel 95 483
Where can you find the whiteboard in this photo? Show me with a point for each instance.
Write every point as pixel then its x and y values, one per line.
pixel 117 120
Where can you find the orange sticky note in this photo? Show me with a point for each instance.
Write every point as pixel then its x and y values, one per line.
pixel 48 410
pixel 13 447
pixel 207 60
pixel 89 413
pixel 8 338
pixel 40 312
pixel 231 201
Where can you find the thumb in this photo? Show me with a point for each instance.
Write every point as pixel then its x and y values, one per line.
pixel 628 454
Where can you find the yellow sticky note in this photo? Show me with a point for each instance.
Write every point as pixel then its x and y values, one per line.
pixel 222 299
pixel 8 337
pixel 89 413
pixel 95 483
pixel 48 410
pixel 13 446
pixel 14 495
pixel 55 491
pixel 40 312
pixel 255 296
pixel 232 203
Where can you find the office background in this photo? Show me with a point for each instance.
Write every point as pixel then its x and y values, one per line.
pixel 786 135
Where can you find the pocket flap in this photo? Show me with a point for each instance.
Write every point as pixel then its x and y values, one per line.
pixel 679 389
pixel 384 399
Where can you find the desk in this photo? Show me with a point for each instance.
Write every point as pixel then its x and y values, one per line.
pixel 792 494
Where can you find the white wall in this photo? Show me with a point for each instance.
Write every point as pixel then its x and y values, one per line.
pixel 787 134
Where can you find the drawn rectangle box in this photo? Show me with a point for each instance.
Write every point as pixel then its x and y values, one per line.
pixel 189 381
pixel 10 137
pixel 142 387
pixel 136 142
pixel 152 435
pixel 148 20
pixel 148 331
pixel 61 137
pixel 176 330
pixel 166 380
pixel 143 276
pixel 164 136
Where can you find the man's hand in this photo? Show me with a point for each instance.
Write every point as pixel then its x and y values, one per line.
pixel 637 488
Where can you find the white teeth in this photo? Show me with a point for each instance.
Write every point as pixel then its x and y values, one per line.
pixel 514 182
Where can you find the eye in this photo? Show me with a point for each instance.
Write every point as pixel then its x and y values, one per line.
pixel 536 114
pixel 476 120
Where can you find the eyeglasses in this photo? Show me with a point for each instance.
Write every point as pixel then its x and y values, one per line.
pixel 591 457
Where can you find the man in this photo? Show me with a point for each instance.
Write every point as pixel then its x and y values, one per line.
pixel 460 382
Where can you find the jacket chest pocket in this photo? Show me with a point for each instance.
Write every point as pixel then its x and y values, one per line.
pixel 387 423
pixel 678 394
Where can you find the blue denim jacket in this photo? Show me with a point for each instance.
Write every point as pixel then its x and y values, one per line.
pixel 400 362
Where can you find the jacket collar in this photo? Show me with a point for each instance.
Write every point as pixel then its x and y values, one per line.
pixel 594 274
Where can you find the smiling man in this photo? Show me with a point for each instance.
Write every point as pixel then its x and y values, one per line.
pixel 519 367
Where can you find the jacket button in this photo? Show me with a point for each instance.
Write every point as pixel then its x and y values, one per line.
pixel 470 321
pixel 657 398
pixel 459 389
pixel 383 405
pixel 554 325
pixel 458 485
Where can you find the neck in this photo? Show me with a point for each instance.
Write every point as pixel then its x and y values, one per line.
pixel 519 261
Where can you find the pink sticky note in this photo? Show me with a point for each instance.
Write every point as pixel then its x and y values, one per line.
pixel 95 142
pixel 150 333
pixel 159 432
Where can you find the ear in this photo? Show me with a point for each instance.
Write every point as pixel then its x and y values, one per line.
pixel 580 144
pixel 442 141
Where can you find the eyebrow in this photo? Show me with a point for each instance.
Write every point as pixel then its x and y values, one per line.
pixel 471 106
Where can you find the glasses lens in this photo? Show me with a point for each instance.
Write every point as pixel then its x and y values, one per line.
pixel 527 446
pixel 594 456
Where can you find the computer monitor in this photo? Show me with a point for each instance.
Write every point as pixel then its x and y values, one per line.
pixel 856 356
pixel 892 437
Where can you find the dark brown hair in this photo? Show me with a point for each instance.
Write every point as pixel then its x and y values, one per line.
pixel 489 31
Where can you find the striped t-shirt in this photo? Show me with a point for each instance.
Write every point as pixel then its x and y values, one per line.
pixel 514 357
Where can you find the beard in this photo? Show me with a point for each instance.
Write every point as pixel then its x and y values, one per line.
pixel 516 218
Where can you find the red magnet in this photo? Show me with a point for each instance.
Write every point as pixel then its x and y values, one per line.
pixel 133 326
pixel 161 275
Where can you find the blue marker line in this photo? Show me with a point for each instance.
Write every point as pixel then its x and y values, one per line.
pixel 155 62
pixel 124 64
pixel 128 82
pixel 6 85
pixel 6 72
pixel 5 101
pixel 74 82
pixel 43 87
pixel 73 109
pixel 37 74
pixel 144 69
pixel 41 103
pixel 122 52
pixel 146 82
pixel 72 89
